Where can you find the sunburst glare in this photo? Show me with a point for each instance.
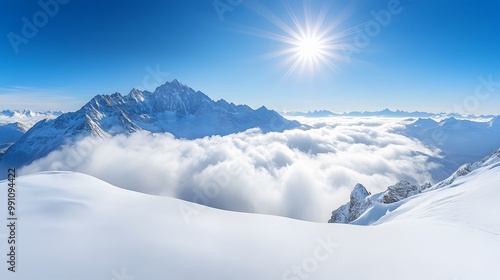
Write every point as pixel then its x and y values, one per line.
pixel 309 43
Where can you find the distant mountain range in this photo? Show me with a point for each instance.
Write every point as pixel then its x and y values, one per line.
pixel 461 138
pixel 172 107
pixel 460 141
pixel 15 123
pixel 26 117
pixel 178 109
pixel 382 113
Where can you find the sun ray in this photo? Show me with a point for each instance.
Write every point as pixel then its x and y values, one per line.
pixel 311 39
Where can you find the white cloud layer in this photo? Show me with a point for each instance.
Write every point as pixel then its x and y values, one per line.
pixel 298 174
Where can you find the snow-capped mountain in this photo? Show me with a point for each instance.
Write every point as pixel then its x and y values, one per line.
pixel 10 133
pixel 460 141
pixel 458 137
pixel 172 107
pixel 14 123
pixel 362 203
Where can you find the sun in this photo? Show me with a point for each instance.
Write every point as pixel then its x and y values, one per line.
pixel 309 48
pixel 310 52
pixel 309 43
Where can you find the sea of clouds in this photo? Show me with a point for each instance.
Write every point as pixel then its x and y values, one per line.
pixel 301 174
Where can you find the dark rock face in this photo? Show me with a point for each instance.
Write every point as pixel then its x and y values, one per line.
pixel 399 192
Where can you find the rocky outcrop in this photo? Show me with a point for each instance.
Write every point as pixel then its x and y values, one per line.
pixel 361 200
pixel 398 192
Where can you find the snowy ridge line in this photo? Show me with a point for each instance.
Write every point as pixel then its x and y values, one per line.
pixel 387 113
pixel 26 117
pixel 362 201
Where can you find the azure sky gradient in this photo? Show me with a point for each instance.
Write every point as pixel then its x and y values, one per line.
pixel 409 54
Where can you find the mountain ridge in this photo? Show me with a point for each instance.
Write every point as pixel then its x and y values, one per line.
pixel 173 107
pixel 383 113
pixel 360 205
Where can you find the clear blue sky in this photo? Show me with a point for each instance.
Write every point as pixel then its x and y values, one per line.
pixel 428 57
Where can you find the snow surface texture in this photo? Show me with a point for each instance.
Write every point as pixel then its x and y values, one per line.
pixel 73 226
pixel 365 209
pixel 173 108
pixel 301 174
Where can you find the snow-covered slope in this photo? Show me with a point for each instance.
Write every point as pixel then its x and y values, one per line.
pixel 375 208
pixel 72 226
pixel 361 200
pixel 10 133
pixel 173 107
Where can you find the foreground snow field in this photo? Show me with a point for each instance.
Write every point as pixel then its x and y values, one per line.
pixel 73 226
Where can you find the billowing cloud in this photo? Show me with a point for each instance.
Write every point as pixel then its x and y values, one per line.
pixel 303 174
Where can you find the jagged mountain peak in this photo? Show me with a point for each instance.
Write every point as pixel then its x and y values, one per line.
pixel 425 122
pixel 173 107
pixel 449 120
pixel 176 83
pixel 175 87
pixel 359 193
pixel 136 95
pixel 358 203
